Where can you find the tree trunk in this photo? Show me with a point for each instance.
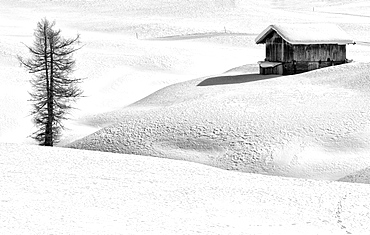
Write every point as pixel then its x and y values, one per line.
pixel 49 125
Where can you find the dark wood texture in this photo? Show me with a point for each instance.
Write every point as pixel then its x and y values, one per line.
pixel 319 52
pixel 301 58
pixel 277 49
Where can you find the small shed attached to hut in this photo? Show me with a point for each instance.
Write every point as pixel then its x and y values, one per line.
pixel 298 48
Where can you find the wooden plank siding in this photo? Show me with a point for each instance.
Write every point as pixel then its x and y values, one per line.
pixel 277 49
pixel 301 58
pixel 319 52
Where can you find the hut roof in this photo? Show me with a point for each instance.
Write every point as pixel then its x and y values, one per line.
pixel 307 34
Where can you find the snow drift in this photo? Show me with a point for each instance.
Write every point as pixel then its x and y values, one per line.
pixel 361 176
pixel 236 120
pixel 313 125
pixel 122 69
pixel 66 191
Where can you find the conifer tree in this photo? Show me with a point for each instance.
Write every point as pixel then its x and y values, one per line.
pixel 51 63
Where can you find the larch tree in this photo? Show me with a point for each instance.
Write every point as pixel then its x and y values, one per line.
pixel 51 63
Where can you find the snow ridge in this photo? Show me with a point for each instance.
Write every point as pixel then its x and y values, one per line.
pixel 66 191
pixel 251 123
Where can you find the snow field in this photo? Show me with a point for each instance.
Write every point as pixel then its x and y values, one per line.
pixel 313 125
pixel 361 176
pixel 308 126
pixel 121 69
pixel 65 191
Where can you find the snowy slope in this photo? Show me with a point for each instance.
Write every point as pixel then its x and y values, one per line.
pixel 134 48
pixel 64 191
pixel 180 41
pixel 177 41
pixel 313 125
pixel 120 68
pixel 361 176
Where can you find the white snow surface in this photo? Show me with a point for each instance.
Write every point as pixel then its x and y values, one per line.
pixel 172 56
pixel 66 191
pixel 313 125
pixel 134 48
pixel 176 41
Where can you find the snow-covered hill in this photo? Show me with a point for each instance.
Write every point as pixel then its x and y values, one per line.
pixel 122 69
pixel 313 125
pixel 65 191
pixel 134 48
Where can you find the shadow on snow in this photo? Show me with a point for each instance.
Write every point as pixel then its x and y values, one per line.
pixel 235 79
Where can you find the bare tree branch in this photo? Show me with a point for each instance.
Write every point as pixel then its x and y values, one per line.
pixel 51 64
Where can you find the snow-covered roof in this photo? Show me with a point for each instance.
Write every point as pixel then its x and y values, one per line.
pixel 307 34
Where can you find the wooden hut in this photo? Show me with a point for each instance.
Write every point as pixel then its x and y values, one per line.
pixel 298 48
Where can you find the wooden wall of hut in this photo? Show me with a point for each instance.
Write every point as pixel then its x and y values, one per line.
pixel 319 52
pixel 278 50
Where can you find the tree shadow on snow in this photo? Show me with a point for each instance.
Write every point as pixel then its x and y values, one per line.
pixel 235 79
